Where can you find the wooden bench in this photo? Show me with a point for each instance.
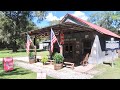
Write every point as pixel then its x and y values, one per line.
pixel 109 63
pixel 69 65
pixel 50 62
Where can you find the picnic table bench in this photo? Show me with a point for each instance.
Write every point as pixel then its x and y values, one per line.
pixel 69 64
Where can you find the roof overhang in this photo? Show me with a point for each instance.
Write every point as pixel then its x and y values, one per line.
pixel 64 27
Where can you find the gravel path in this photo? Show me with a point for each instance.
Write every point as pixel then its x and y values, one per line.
pixel 65 73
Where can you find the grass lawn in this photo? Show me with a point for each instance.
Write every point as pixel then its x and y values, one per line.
pixel 18 73
pixel 8 53
pixel 108 72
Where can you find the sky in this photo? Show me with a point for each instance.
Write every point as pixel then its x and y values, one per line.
pixel 58 15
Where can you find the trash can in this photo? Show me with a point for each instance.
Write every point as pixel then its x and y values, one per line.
pixel 8 64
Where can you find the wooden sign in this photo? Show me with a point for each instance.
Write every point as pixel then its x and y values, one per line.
pixel 112 45
pixel 41 75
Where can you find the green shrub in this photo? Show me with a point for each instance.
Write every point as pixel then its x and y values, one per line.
pixel 58 58
pixel 31 55
pixel 44 60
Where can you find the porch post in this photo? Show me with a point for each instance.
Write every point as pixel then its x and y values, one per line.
pixel 35 54
pixel 50 52
pixel 50 47
pixel 61 38
pixel 35 47
pixel 61 49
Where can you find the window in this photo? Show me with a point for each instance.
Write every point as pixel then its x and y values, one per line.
pixel 66 48
pixel 70 48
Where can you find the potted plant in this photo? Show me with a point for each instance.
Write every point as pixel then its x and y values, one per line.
pixel 31 58
pixel 44 60
pixel 58 61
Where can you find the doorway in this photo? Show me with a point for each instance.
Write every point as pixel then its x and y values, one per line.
pixel 86 48
pixel 68 51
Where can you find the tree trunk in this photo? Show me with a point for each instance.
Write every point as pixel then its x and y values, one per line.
pixel 14 49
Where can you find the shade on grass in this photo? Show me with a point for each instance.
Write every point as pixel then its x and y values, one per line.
pixel 18 73
pixel 20 53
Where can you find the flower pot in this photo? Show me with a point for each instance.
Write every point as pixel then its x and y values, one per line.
pixel 58 66
pixel 32 60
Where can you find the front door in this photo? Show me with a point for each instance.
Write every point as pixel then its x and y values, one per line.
pixel 68 51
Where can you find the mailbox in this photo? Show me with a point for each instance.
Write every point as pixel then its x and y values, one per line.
pixel 8 64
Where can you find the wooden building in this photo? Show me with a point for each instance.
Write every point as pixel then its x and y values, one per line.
pixel 79 37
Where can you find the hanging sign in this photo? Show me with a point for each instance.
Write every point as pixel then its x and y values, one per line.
pixel 61 38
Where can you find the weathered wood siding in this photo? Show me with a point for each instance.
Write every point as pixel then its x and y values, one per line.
pixel 78 41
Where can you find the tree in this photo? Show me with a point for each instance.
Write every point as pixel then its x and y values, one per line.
pixel 15 22
pixel 107 19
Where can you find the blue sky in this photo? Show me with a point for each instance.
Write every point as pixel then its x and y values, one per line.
pixel 58 15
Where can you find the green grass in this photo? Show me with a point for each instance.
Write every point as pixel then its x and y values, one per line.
pixel 108 72
pixel 9 53
pixel 18 73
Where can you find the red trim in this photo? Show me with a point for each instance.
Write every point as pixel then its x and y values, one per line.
pixel 64 18
pixel 96 27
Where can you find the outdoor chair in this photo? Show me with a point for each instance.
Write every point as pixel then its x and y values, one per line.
pixel 85 60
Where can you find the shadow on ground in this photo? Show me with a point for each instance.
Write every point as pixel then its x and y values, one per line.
pixel 32 50
pixel 16 71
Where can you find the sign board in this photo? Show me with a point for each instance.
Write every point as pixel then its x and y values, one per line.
pixel 41 75
pixel 61 38
pixel 110 45
pixel 8 64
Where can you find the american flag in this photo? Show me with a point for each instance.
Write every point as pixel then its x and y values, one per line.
pixel 53 39
pixel 29 41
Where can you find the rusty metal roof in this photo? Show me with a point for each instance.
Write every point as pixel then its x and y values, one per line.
pixel 96 27
pixel 71 27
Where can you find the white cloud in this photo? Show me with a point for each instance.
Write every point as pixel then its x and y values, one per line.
pixel 61 17
pixel 80 15
pixel 51 17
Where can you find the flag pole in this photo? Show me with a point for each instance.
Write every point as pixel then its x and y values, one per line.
pixel 52 32
pixel 33 46
pixel 57 40
pixel 32 42
pixel 58 43
pixel 26 45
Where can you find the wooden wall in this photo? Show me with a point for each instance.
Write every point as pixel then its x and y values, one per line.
pixel 78 40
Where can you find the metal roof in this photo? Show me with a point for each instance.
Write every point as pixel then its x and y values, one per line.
pixel 71 27
pixel 96 27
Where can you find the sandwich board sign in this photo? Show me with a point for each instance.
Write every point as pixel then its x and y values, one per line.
pixel 41 75
pixel 112 45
